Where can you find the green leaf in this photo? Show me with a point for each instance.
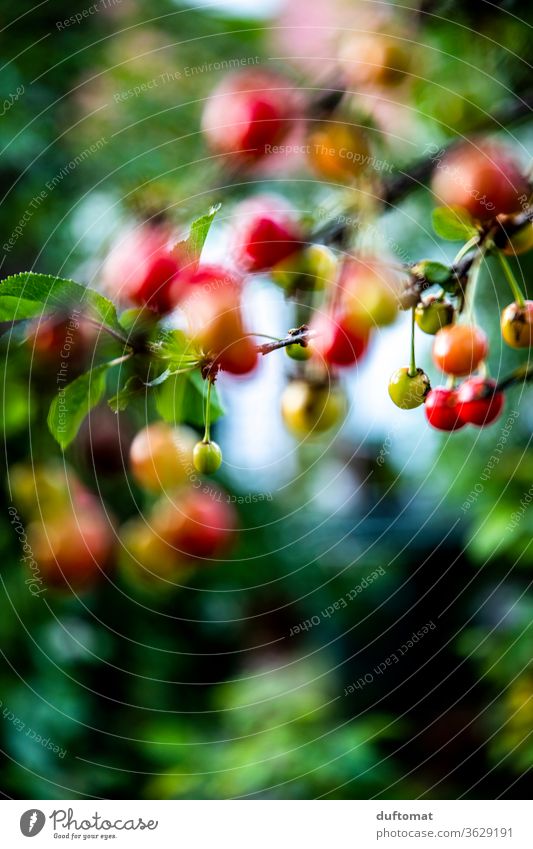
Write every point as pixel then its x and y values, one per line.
pixel 175 345
pixel 73 403
pixel 182 399
pixel 190 249
pixel 133 388
pixel 433 272
pixel 29 295
pixel 453 223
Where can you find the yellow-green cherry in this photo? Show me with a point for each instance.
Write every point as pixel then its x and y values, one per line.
pixel 207 457
pixel 408 390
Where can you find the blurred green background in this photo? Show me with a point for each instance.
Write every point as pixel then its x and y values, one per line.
pixel 203 692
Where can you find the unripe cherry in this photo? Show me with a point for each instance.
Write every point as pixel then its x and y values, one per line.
pixel 248 112
pixel 442 411
pixel 484 178
pixel 213 309
pixel 207 457
pixel 161 456
pixel 298 352
pixel 459 349
pixel 432 314
pixel 73 546
pixel 309 270
pixel 338 151
pixel 370 292
pixel 310 409
pixel 407 390
pixel 478 401
pixel 376 59
pixel 517 325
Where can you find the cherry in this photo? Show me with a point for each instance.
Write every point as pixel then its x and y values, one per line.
pixel 337 341
pixel 267 235
pixel 249 112
pixel 207 457
pixel 478 401
pixel 310 409
pixel 517 325
pixel 298 352
pixel 161 456
pixel 485 179
pixel 441 408
pixel 142 268
pixel 370 292
pixel 311 269
pixel 72 546
pixel 148 561
pixel 433 314
pixel 338 151
pixel 459 349
pixel 213 309
pixel 198 525
pixel 375 59
pixel 408 391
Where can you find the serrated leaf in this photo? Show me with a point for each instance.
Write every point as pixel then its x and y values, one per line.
pixel 182 399
pixel 29 295
pixel 190 249
pixel 74 402
pixel 453 223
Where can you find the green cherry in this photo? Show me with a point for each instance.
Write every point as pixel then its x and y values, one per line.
pixel 207 457
pixel 299 352
pixel 433 314
pixel 408 391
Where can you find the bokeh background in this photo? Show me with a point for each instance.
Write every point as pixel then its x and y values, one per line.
pixel 212 689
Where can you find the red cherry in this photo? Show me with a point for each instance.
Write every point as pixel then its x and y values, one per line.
pixel 483 178
pixel 337 342
pixel 248 112
pixel 441 409
pixel 478 402
pixel 143 267
pixel 198 525
pixel 267 234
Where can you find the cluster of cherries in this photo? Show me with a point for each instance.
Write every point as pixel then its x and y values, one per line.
pixel 486 183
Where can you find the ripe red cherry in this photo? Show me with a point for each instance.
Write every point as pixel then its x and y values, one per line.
pixel 338 342
pixel 478 402
pixel 441 409
pixel 266 233
pixel 142 268
pixel 249 112
pixel 483 178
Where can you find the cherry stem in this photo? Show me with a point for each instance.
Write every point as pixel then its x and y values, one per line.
pixel 300 335
pixel 466 247
pixel 207 415
pixel 511 279
pixel 412 365
pixel 523 374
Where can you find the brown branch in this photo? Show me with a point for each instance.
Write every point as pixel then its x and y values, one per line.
pixel 300 335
